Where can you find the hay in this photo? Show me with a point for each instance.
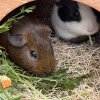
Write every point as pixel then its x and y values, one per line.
pixel 79 60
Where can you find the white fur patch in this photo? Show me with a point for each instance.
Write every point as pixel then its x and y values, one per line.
pixel 68 30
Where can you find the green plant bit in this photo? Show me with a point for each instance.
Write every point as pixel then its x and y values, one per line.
pixel 90 40
pixel 8 24
pixel 6 94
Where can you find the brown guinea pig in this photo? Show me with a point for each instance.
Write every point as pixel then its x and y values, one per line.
pixel 28 45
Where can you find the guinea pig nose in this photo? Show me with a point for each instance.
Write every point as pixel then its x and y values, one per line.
pixel 91 29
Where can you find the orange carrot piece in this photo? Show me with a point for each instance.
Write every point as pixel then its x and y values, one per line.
pixel 5 82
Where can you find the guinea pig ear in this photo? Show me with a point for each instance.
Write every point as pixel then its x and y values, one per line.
pixel 17 40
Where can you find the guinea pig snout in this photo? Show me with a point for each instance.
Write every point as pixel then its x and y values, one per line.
pixel 44 70
pixel 49 68
pixel 93 29
pixel 45 66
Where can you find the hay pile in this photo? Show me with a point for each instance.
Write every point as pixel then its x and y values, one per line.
pixel 79 60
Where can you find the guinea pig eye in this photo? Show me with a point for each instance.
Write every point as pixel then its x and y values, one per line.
pixel 33 54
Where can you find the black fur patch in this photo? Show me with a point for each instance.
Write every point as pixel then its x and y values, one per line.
pixel 68 11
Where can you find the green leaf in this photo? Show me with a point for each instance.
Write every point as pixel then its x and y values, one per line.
pixel 17 98
pixel 3 97
pixel 8 24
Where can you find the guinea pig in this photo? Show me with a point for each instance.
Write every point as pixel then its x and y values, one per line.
pixel 72 20
pixel 27 44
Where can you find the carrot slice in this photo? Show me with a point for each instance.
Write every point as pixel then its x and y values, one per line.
pixel 5 81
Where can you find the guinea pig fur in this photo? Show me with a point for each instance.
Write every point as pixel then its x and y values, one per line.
pixel 27 44
pixel 72 19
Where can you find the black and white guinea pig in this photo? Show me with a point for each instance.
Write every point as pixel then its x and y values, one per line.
pixel 72 19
